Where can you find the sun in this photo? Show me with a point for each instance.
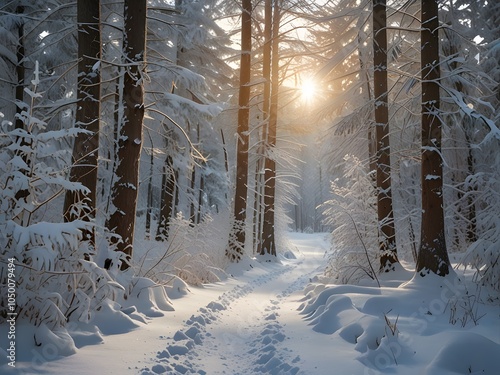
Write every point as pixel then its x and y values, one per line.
pixel 308 90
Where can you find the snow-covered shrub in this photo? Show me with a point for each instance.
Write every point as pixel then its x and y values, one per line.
pixel 195 253
pixel 483 255
pixel 352 213
pixel 407 212
pixel 56 279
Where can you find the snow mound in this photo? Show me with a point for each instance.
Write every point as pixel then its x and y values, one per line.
pixel 148 297
pixel 403 327
pixel 178 289
pixel 466 353
pixel 338 312
pixel 84 334
pixel 112 321
pixel 57 340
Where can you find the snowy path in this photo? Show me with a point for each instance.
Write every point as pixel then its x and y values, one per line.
pixel 250 324
pixel 246 329
pixel 244 325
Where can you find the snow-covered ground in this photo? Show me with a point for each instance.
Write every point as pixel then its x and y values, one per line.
pixel 276 318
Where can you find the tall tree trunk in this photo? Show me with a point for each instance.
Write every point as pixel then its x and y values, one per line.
pixel 433 254
pixel 237 239
pixel 260 183
pixel 387 233
pixel 124 191
pixel 268 235
pixel 86 146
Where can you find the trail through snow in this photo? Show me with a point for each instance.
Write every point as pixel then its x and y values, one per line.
pixel 277 319
pixel 247 329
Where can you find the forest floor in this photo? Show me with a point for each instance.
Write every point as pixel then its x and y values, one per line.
pixel 269 318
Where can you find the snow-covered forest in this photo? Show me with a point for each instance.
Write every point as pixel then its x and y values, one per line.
pixel 254 186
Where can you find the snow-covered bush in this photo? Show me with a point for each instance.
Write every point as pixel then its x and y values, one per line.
pixel 352 213
pixel 483 255
pixel 56 279
pixel 194 252
pixel 407 212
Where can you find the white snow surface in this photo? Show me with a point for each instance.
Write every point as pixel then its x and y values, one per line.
pixel 277 318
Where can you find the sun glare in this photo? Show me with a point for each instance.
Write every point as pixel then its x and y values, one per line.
pixel 308 90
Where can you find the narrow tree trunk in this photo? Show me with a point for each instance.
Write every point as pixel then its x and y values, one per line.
pixel 201 185
pixel 192 209
pixel 256 205
pixel 167 199
pixel 237 240
pixel 226 161
pixel 125 189
pixel 20 71
pixel 372 153
pixel 471 213
pixel 200 198
pixel 86 146
pixel 387 233
pixel 268 235
pixel 433 255
pixel 19 91
pixel 259 206
pixel 149 200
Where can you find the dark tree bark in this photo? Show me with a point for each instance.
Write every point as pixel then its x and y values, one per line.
pixel 433 254
pixel 125 188
pixel 167 199
pixel 192 194
pixel 20 70
pixel 268 233
pixel 237 239
pixel 200 198
pixel 387 233
pixel 86 146
pixel 149 200
pixel 266 98
pixel 19 92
